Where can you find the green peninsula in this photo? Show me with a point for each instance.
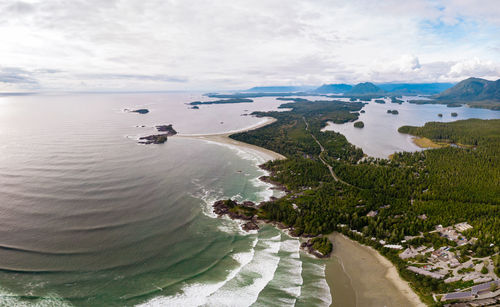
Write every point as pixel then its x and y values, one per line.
pixel 221 101
pixel 443 199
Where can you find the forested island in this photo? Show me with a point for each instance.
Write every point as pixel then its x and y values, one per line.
pixel 221 101
pixel 359 124
pixel 392 204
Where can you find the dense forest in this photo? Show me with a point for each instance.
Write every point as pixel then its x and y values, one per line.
pixel 456 183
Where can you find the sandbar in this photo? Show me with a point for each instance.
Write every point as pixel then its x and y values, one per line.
pixel 223 138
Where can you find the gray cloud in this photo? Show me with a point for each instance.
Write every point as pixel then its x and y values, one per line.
pixel 161 78
pixel 16 7
pixel 17 75
pixel 168 44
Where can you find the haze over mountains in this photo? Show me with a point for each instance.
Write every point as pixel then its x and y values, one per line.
pixel 475 92
pixel 366 88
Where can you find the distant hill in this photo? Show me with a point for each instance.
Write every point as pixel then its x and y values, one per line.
pixel 366 88
pixel 279 89
pixel 472 89
pixel 333 88
pixel 415 88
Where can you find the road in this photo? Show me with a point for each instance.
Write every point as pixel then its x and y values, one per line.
pixel 330 168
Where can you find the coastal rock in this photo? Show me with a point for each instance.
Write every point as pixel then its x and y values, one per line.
pixel 250 226
pixel 167 128
pixel 158 138
pixel 245 212
pixel 140 111
pixel 223 207
pixel 153 139
pixel 276 185
pixel 248 204
pixel 308 247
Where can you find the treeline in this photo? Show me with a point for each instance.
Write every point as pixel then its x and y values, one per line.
pixel 384 199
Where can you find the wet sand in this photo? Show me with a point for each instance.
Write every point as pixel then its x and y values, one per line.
pixel 359 276
pixel 223 138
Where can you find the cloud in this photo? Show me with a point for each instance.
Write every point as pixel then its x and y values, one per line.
pixel 169 44
pixel 16 75
pixel 16 7
pixel 474 67
pixel 162 78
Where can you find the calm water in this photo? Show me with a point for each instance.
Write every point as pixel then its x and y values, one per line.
pixel 380 136
pixel 89 217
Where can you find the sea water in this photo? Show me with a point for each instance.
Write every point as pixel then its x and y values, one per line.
pixel 380 137
pixel 88 217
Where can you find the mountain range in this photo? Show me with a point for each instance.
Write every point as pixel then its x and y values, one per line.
pixel 475 92
pixel 472 89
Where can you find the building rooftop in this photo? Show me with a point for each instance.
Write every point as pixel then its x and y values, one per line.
pixel 458 295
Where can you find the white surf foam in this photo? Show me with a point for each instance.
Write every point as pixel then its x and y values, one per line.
pixel 317 287
pixel 288 276
pixel 244 289
pixel 50 300
pixel 197 294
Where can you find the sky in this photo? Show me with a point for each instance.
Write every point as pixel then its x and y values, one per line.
pixel 135 45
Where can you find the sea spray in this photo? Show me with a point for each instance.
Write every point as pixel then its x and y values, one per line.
pixel 244 289
pixel 197 294
pixel 315 292
pixel 286 285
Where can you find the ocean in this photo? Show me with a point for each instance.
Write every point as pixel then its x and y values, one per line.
pixel 89 217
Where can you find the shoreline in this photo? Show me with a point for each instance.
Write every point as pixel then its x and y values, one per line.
pixel 424 143
pixel 360 289
pixel 223 138
pixel 359 275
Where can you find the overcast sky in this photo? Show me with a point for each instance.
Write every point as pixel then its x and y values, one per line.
pixel 236 44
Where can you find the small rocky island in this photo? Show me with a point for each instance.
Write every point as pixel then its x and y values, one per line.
pixel 393 112
pixel 440 115
pixel 140 111
pixel 381 101
pixel 359 124
pixel 158 138
pixel 454 114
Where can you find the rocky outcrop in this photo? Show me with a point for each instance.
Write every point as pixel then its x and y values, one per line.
pixel 244 212
pixel 153 139
pixel 167 128
pixel 308 247
pixel 140 111
pixel 159 138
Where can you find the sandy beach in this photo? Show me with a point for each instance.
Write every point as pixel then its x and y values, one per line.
pixel 223 138
pixel 359 276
